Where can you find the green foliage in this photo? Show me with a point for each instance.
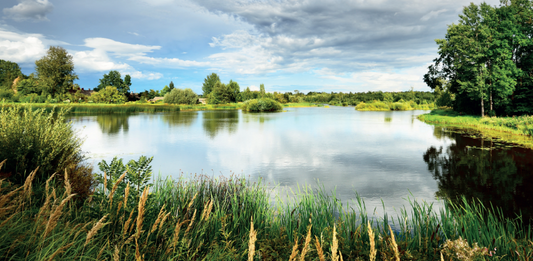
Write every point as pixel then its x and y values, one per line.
pixel 223 93
pixel 170 86
pixel 480 61
pixel 109 94
pixel 373 106
pixel 31 139
pixel 56 71
pixel 29 85
pixel 209 83
pixel 9 71
pixel 181 96
pixel 262 105
pixel 165 90
pixel 138 175
pixel 262 90
pixel 114 79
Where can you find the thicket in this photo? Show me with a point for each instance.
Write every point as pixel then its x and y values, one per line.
pixel 485 60
pixel 43 142
pixel 393 106
pixel 262 105
pixel 181 96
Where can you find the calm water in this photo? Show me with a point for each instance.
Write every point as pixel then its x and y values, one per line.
pixel 383 156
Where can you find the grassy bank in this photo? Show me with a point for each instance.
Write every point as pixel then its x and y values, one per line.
pixel 393 106
pixel 302 104
pixel 506 128
pixel 88 108
pixel 203 218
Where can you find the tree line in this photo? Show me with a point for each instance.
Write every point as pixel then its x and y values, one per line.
pixel 485 62
pixel 53 81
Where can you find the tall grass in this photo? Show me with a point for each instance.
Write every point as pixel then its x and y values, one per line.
pixel 522 125
pixel 393 106
pixel 204 218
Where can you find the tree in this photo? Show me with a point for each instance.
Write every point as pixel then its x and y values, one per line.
pixel 113 78
pixel 171 86
pixel 9 71
pixel 179 96
pixel 209 83
pixel 165 90
pixel 262 89
pixel 56 71
pixel 221 94
pixel 234 90
pixel 109 94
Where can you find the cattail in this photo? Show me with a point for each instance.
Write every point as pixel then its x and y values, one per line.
pixel 373 250
pixel 59 251
pixel 95 229
pixel 115 187
pixel 54 217
pixel 306 245
pixel 394 245
pixel 319 250
pixel 251 243
pixel 192 222
pixel 335 245
pixel 294 252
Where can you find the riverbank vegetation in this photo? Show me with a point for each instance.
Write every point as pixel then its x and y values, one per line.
pixel 393 106
pixel 262 105
pixel 521 125
pixel 484 63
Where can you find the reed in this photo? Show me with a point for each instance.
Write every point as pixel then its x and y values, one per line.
pixel 203 218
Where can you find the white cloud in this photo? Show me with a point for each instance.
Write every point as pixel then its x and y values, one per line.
pixel 432 14
pixel 21 48
pixel 119 48
pixel 167 62
pixel 29 9
pixel 97 60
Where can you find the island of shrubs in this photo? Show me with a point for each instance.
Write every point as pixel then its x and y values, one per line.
pixel 262 105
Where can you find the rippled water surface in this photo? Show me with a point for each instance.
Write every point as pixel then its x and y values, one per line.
pixel 385 157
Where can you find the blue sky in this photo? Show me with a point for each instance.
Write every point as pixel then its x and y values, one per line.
pixel 308 45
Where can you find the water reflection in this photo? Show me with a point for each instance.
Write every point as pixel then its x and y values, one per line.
pixel 474 168
pixel 112 124
pixel 180 118
pixel 215 121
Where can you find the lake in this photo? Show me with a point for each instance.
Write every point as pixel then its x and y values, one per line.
pixel 385 157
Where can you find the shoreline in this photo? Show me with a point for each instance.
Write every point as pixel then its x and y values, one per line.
pixel 516 130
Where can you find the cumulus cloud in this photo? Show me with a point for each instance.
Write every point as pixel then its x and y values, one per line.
pixel 21 48
pixel 119 48
pixel 29 10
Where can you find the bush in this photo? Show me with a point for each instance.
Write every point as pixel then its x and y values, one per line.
pixel 261 105
pixel 372 106
pixel 181 96
pixel 31 139
pixel 108 95
pixel 401 106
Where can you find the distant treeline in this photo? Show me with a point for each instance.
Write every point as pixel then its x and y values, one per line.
pixel 485 62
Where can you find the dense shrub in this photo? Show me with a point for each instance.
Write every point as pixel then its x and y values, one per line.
pixel 260 105
pixel 31 139
pixel 108 95
pixel 400 106
pixel 372 106
pixel 181 96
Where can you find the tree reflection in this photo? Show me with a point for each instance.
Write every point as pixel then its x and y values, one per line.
pixel 478 169
pixel 215 121
pixel 180 118
pixel 113 123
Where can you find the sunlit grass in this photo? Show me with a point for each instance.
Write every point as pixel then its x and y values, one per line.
pixel 204 218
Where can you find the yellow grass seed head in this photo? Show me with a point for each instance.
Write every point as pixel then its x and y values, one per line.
pixel 56 214
pixel 335 245
pixel 251 243
pixel 319 250
pixel 294 250
pixel 115 187
pixel 306 244
pixel 394 245
pixel 373 250
pixel 95 229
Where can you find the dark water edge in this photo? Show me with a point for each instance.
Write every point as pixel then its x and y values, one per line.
pixel 497 174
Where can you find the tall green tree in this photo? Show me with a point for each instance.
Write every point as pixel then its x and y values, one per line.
pixel 209 83
pixel 262 90
pixel 221 94
pixel 171 86
pixel 56 71
pixel 234 90
pixel 113 78
pixel 9 71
